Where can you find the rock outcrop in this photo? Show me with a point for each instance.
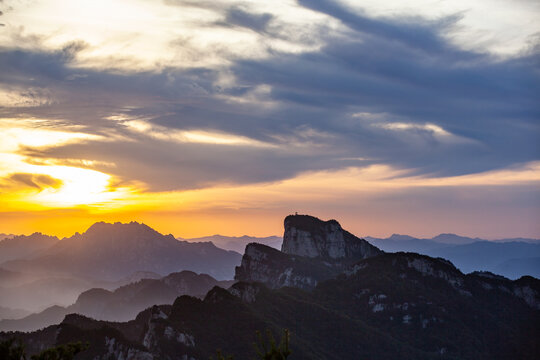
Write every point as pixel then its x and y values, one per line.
pixel 313 250
pixel 311 237
pixel 276 269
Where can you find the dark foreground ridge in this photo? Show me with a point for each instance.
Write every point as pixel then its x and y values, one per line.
pixel 384 306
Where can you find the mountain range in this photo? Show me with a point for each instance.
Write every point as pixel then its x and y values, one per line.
pixel 238 243
pixel 40 271
pixel 122 304
pixel 340 297
pixel 512 258
pixel 21 246
pixel 112 251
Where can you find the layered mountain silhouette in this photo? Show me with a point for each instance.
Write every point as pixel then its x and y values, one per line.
pixel 512 258
pixel 41 271
pixel 22 246
pixel 9 313
pixel 44 292
pixel 35 292
pixel 356 302
pixel 113 251
pixel 238 243
pixel 122 304
pixel 14 278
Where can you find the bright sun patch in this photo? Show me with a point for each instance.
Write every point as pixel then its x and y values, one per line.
pixel 79 187
pixel 53 185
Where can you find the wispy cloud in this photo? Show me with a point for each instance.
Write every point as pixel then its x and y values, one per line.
pixel 183 95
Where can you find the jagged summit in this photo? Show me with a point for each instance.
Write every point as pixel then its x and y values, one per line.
pixel 114 251
pixel 400 237
pixel 309 236
pixel 103 228
pixel 313 250
pixel 307 222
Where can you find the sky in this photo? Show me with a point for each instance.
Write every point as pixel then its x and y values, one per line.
pixel 204 117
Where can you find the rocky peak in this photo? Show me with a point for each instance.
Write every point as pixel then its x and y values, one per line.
pixel 247 292
pixel 102 235
pixel 132 229
pixel 313 250
pixel 311 237
pixel 276 269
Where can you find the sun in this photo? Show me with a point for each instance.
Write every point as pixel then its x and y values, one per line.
pixel 67 185
pixel 79 187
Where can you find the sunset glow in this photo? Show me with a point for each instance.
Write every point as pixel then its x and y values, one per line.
pixel 224 117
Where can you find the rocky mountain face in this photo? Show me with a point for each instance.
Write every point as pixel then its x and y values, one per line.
pixel 340 302
pixel 393 306
pixel 313 250
pixel 122 304
pixel 113 251
pixel 276 269
pixel 311 237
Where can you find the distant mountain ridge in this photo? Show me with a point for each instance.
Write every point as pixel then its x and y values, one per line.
pixel 383 306
pixel 22 246
pixel 113 251
pixel 451 239
pixel 9 313
pixel 122 304
pixel 238 243
pixel 506 257
pixel 44 292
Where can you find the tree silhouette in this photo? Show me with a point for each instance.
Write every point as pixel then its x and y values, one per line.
pixel 266 350
pixel 271 351
pixel 220 356
pixel 9 350
pixel 61 352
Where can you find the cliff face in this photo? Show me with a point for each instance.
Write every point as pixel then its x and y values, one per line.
pixel 276 269
pixel 393 306
pixel 390 306
pixel 313 250
pixel 311 237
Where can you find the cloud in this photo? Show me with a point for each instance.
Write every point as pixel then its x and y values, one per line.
pixel 257 22
pixel 37 181
pixel 414 89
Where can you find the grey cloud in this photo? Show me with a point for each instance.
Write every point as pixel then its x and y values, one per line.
pixel 202 4
pixel 412 31
pixel 171 166
pixel 37 181
pixel 256 22
pixel 400 70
